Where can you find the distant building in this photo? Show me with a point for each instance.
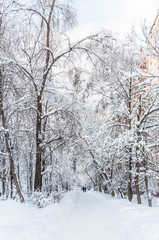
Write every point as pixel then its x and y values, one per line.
pixel 150 65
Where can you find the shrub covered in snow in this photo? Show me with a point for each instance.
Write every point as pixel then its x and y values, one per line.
pixel 41 200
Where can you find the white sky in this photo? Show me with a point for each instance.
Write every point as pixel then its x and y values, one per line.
pixel 116 15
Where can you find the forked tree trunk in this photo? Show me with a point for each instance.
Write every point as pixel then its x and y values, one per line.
pixel 38 170
pixel 7 140
pixel 13 174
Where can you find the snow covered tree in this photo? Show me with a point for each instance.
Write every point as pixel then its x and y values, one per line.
pixel 129 107
pixel 45 108
pixel 6 138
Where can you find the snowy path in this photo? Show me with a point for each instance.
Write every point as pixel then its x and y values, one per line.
pixel 80 216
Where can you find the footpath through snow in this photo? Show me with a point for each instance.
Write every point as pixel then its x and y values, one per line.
pixel 79 216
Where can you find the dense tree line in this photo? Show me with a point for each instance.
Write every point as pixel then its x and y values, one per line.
pixel 72 113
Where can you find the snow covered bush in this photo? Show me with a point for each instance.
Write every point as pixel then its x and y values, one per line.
pixel 41 200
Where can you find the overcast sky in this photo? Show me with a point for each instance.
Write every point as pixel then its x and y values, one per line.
pixel 116 15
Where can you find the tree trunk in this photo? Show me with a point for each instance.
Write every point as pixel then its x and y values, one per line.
pixel 12 168
pixel 38 175
pixel 113 193
pixel 3 177
pixel 146 181
pixel 130 193
pixel 139 113
pixel 99 187
pixel 137 184
pixel 148 193
pixel 11 183
pixel 30 175
pixel 7 140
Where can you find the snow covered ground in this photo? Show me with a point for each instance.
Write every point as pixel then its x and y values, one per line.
pixel 79 216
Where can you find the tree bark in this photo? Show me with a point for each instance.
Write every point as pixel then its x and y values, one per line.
pixel 148 193
pixel 138 134
pixel 3 177
pixel 38 175
pixel 130 193
pixel 146 181
pixel 137 184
